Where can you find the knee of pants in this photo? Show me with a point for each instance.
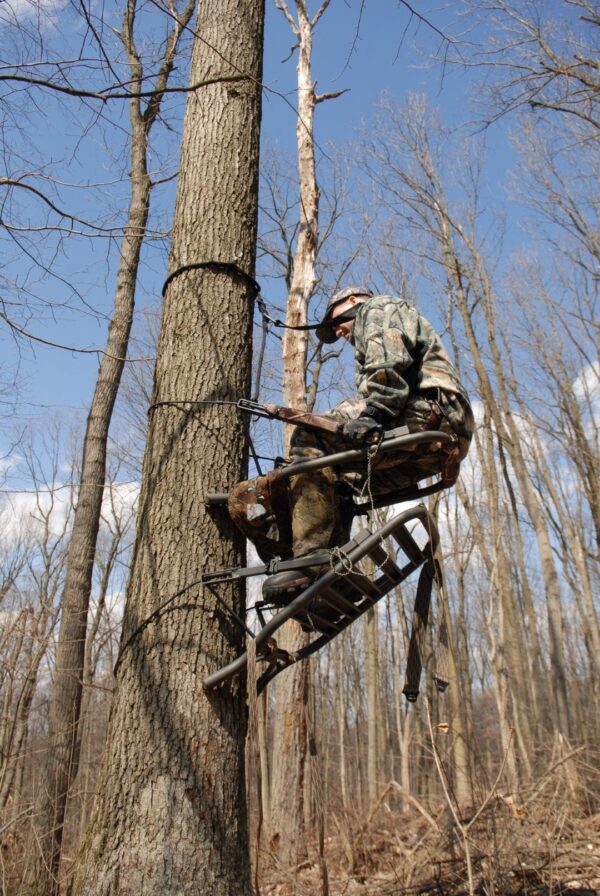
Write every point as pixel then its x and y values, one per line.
pixel 242 501
pixel 305 444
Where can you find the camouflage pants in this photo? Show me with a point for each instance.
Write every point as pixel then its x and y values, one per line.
pixel 313 510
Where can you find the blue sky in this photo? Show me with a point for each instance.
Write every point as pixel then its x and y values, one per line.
pixel 388 51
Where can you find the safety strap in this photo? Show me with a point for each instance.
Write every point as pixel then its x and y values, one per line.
pixel 235 271
pixel 340 318
pixel 221 266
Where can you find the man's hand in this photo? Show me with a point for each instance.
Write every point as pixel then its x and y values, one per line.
pixel 363 429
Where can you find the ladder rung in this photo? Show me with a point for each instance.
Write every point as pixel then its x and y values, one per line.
pixel 385 563
pixel 410 547
pixel 336 600
pixel 364 584
pixel 319 622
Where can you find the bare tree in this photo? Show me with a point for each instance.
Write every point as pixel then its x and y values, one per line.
pixel 542 58
pixel 61 761
pixel 408 174
pixel 36 529
pixel 290 732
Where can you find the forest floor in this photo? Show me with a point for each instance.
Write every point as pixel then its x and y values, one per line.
pixel 543 844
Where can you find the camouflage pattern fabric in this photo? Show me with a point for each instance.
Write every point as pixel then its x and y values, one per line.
pixel 321 518
pixel 285 518
pixel 398 353
pixel 260 507
pixel 402 370
pixel 399 469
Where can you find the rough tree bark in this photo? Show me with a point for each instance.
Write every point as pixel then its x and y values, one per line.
pixel 170 815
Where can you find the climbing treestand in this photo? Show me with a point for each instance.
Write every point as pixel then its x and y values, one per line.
pixel 342 584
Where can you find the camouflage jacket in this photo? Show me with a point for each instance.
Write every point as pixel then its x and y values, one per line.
pixel 398 353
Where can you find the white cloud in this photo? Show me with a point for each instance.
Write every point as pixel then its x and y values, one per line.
pixel 588 381
pixel 8 463
pixel 120 502
pixel 14 11
pixel 25 515
pixel 587 390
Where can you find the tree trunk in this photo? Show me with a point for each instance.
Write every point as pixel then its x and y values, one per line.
pixel 295 342
pixel 510 660
pixel 286 823
pixel 171 812
pixel 15 720
pixel 464 673
pixel 60 762
pixel 373 715
pixel 263 747
pixel 342 724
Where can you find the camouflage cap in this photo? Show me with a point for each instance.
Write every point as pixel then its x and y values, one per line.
pixel 324 330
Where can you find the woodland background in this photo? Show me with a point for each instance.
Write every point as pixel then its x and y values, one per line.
pixel 494 785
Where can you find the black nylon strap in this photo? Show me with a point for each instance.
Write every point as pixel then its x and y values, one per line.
pixel 348 315
pixel 223 266
pixel 235 271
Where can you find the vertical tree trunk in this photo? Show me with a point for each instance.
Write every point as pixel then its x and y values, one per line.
pixel 15 720
pixel 341 712
pixel 60 764
pixel 463 789
pixel 295 342
pixel 495 623
pixel 464 672
pixel 286 827
pixel 374 732
pixel 403 713
pixel 171 813
pixel 497 401
pixel 511 665
pixel 286 823
pixel 263 747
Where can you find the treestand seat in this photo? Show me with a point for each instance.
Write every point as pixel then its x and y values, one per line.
pixel 394 440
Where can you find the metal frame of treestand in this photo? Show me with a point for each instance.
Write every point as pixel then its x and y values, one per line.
pixel 343 585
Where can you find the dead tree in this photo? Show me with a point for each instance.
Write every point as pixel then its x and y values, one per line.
pixel 286 821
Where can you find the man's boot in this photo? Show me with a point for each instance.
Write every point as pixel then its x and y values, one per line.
pixel 320 520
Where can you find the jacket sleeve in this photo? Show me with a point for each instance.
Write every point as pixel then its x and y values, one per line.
pixel 386 344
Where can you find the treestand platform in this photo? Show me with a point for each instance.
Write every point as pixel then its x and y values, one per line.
pixel 342 590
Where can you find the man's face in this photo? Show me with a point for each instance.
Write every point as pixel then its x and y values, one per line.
pixel 344 328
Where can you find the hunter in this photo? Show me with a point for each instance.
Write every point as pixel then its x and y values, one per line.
pixel 403 377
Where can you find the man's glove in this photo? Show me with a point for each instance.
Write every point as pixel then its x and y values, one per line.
pixel 363 429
